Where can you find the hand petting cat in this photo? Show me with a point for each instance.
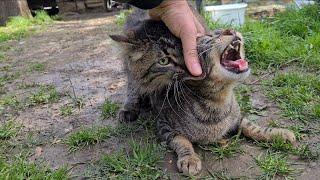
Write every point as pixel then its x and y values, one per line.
pixel 181 21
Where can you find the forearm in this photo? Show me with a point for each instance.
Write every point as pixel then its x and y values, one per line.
pixel 142 4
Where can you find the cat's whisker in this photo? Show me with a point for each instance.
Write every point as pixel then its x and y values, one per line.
pixel 164 100
pixel 183 93
pixel 178 92
pixel 167 97
pixel 200 54
pixel 193 93
pixel 175 94
pixel 208 41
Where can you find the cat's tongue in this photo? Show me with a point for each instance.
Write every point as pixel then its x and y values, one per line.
pixel 239 64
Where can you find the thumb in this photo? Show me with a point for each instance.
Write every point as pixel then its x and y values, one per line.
pixel 190 53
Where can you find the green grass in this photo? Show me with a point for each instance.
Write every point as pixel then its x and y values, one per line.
pixel 3 56
pixel 278 145
pixel 243 98
pixel 305 153
pixel 9 101
pixel 18 167
pixel 222 175
pixel 273 124
pixel 121 18
pixel 292 36
pixel 90 136
pixel 298 131
pixel 109 109
pixel 8 78
pixel 66 110
pixel 38 67
pixel 8 130
pixel 19 27
pixel 86 137
pixel 225 151
pixel 140 162
pixel 298 95
pixel 301 23
pixel 274 164
pixel 46 94
pixel 27 85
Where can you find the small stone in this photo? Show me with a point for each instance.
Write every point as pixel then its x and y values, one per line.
pixel 38 152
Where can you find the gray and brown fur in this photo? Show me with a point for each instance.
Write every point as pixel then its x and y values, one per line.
pixel 187 109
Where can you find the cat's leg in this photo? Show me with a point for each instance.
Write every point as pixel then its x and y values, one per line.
pixel 256 132
pixel 188 162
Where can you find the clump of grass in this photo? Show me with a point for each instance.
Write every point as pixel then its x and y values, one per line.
pixel 146 126
pixel 121 18
pixel 2 57
pixel 298 131
pixel 273 123
pixel 109 109
pixel 39 67
pixel 42 18
pixel 225 151
pixel 7 78
pixel 274 164
pixel 302 23
pixel 19 27
pixel 297 95
pixel 140 163
pixel 87 137
pixel 10 101
pixel 243 98
pixel 25 85
pixel 222 175
pixel 46 94
pixel 8 130
pixel 305 153
pixel 277 143
pixel 19 167
pixel 66 110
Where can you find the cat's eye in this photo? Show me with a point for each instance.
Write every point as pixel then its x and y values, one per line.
pixel 164 61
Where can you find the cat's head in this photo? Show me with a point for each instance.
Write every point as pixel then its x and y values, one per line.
pixel 224 56
pixel 155 59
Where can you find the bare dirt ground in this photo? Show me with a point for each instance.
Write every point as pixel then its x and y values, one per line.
pixel 81 60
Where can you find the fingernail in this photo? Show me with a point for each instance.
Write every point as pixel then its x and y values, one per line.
pixel 196 69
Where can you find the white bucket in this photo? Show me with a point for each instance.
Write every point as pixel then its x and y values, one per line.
pixel 228 14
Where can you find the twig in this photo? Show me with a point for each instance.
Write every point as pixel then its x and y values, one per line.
pixel 259 79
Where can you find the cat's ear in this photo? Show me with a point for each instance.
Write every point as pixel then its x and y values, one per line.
pixel 123 39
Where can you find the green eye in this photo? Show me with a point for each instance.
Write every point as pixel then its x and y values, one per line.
pixel 164 61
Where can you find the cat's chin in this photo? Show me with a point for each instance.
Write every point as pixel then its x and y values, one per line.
pixel 233 75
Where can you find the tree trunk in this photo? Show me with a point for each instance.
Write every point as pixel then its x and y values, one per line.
pixel 10 8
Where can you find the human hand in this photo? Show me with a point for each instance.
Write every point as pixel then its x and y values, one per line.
pixel 181 21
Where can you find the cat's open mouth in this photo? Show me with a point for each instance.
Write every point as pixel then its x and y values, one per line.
pixel 231 59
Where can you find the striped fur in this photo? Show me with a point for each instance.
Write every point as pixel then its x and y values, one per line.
pixel 256 132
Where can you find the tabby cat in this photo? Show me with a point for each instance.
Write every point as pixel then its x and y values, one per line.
pixel 188 109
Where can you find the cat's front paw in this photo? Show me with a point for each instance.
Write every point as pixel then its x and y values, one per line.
pixel 189 165
pixel 128 116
